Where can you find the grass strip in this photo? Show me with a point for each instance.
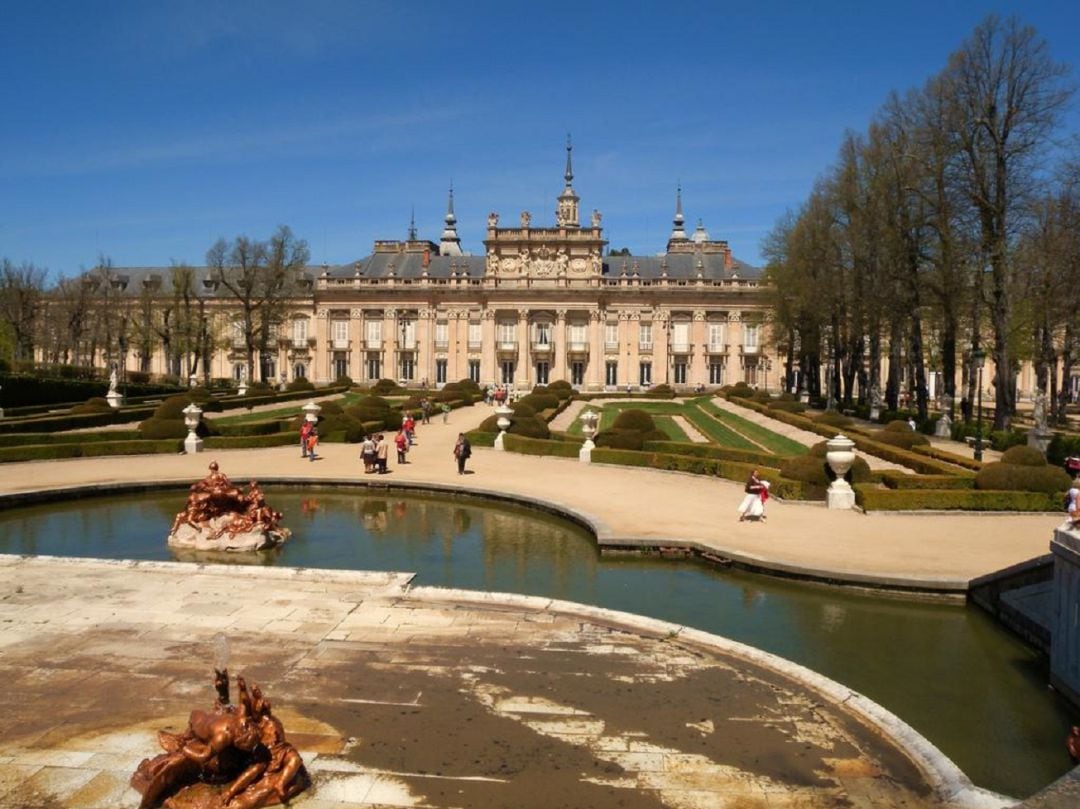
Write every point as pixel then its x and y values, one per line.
pixel 774 442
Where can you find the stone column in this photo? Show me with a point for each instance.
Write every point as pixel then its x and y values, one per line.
pixel 388 350
pixel 594 372
pixel 425 346
pixel 523 374
pixel 320 355
pixel 356 344
pixel 489 364
pixel 699 338
pixel 558 358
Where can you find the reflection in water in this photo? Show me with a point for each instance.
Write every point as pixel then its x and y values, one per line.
pixel 947 670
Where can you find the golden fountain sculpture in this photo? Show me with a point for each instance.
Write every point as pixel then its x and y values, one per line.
pixel 219 516
pixel 231 757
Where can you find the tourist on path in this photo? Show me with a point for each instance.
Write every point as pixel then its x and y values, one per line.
pixel 312 442
pixel 305 431
pixel 367 453
pixel 462 451
pixel 753 503
pixel 401 441
pixel 445 413
pixel 382 450
pixel 1072 503
pixel 425 410
pixel 409 425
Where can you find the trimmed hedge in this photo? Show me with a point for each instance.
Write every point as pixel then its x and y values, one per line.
pixel 537 446
pixel 949 457
pixel 251 441
pixel 900 480
pixel 1020 478
pixel 253 428
pixel 46 452
pixel 872 498
pixel 37 439
pixel 58 423
pixel 712 451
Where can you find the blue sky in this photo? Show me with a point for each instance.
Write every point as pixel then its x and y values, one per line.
pixel 146 130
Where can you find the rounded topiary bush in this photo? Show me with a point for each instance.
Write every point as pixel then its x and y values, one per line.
pixel 95 404
pixel 634 420
pixel 523 422
pixel 384 386
pixel 300 383
pixel 662 390
pixel 154 429
pixel 561 388
pixel 762 396
pixel 787 406
pixel 1023 456
pixel 616 438
pixel 1013 477
pixel 172 408
pixel 344 381
pixel 740 390
pixel 788 396
pixel 541 401
pixel 900 434
pixel 833 418
pixel 331 408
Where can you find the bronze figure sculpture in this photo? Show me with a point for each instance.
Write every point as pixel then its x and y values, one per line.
pixel 231 757
pixel 219 516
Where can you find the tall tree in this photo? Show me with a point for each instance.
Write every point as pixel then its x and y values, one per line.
pixel 1008 94
pixel 21 297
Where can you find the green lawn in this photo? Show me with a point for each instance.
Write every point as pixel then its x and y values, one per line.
pixel 667 425
pixel 773 442
pixel 717 432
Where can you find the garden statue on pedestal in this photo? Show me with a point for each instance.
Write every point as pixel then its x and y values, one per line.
pixel 113 397
pixel 875 402
pixel 1040 435
pixel 220 517
pixel 943 428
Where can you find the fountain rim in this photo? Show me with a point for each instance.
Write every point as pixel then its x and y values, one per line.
pixel 951 590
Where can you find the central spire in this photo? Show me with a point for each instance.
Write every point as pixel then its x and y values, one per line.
pixel 569 175
pixel 450 243
pixel 566 210
pixel 678 231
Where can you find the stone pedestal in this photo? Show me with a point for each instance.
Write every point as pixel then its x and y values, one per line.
pixel 214 537
pixel 504 412
pixel 875 413
pixel 192 444
pixel 1065 617
pixel 840 456
pixel 192 416
pixel 589 418
pixel 114 399
pixel 1040 439
pixel 943 429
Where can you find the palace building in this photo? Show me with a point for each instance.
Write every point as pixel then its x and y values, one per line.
pixel 543 302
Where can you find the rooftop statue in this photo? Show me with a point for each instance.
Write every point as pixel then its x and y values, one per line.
pixel 219 516
pixel 230 757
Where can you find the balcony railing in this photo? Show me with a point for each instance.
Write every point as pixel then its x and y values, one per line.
pixel 750 349
pixel 717 348
pixel 644 346
pixel 611 345
pixel 681 348
pixel 544 347
pixel 340 345
pixel 373 343
pixel 300 343
pixel 408 344
pixel 475 345
pixel 442 345
pixel 578 347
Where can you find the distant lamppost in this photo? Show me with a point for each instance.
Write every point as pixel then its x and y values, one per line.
pixel 978 359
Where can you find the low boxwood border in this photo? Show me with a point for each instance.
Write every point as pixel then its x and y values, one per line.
pixel 873 498
pixel 900 480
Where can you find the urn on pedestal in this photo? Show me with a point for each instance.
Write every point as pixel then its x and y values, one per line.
pixel 311 412
pixel 504 412
pixel 192 417
pixel 840 455
pixel 589 418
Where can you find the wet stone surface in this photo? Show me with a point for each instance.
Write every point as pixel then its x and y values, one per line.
pixel 399 700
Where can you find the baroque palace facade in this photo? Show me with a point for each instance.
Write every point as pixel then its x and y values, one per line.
pixel 541 304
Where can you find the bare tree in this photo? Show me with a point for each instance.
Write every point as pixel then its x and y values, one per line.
pixel 21 299
pixel 1007 94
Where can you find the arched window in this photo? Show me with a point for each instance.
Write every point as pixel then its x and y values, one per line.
pixel 299 371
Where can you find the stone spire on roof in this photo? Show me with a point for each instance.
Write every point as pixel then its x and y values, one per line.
pixel 450 243
pixel 678 232
pixel 412 225
pixel 700 234
pixel 566 211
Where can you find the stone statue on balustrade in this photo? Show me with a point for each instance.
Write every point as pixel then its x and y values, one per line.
pixel 220 517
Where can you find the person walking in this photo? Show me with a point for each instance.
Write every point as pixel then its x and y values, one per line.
pixel 752 504
pixel 409 425
pixel 312 442
pixel 1072 503
pixel 305 431
pixel 401 441
pixel 425 410
pixel 367 453
pixel 382 450
pixel 445 413
pixel 462 451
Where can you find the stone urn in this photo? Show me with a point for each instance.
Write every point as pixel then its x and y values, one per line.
pixel 504 412
pixel 192 417
pixel 311 412
pixel 840 455
pixel 589 419
pixel 943 429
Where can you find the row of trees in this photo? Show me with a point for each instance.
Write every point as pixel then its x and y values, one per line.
pixel 939 235
pixel 92 319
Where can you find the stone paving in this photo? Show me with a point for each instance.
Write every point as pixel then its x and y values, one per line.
pixel 429 698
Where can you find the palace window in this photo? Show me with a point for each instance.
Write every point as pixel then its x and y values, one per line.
pixel 611 374
pixel 716 373
pixel 543 373
pixel 374 367
pixel 341 365
pixel 716 337
pixel 751 332
pixel 680 336
pixel 578 335
pixel 300 331
pixel 373 330
pixel 239 371
pixel 407 367
pixel 577 373
pixel 474 371
pixel 542 332
pixel 507 331
pixel 440 372
pixel 476 335
pixel 645 374
pixel 680 373
pixel 339 331
pixel 611 335
pixel 442 334
pixel 645 336
pixel 299 371
pixel 507 368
